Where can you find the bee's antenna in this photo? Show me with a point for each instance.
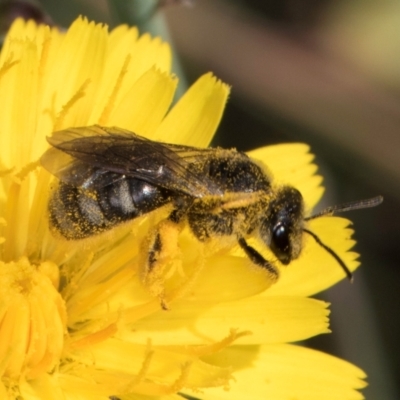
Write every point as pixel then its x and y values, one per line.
pixel 354 205
pixel 332 253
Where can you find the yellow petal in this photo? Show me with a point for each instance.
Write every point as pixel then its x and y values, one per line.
pixel 194 119
pixel 19 85
pixel 79 75
pixel 283 372
pixel 46 387
pixel 144 106
pixel 4 394
pixel 128 58
pixel 148 362
pixel 233 271
pixel 268 319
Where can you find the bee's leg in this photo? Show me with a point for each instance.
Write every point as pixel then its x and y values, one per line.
pixel 258 259
pixel 162 252
pixel 164 244
pixel 154 251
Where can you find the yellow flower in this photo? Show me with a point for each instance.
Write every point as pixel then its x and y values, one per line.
pixel 77 322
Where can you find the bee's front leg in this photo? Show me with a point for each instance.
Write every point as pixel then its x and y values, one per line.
pixel 257 259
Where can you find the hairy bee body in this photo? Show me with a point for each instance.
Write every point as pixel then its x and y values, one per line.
pixel 110 175
pixel 79 211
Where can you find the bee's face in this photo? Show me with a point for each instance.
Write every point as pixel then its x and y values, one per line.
pixel 281 229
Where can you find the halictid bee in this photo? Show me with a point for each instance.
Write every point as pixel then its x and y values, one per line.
pixel 111 175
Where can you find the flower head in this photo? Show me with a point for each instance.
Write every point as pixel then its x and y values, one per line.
pixel 78 320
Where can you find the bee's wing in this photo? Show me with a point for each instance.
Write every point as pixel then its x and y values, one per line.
pixel 96 156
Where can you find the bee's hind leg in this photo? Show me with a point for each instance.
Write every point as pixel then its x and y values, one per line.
pixel 162 251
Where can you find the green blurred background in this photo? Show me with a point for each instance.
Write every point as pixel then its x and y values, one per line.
pixel 324 72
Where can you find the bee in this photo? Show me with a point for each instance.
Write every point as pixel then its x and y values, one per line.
pixel 111 175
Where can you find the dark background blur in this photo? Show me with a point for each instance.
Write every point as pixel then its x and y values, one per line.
pixel 317 71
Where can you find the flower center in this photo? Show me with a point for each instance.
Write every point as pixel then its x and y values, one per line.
pixel 32 319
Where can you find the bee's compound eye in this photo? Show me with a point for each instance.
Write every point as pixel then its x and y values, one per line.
pixel 280 243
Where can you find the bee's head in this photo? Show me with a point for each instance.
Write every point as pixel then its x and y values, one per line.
pixel 281 227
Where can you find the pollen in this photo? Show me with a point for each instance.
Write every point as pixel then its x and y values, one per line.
pixel 33 319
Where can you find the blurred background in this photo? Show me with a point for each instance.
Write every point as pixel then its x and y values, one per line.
pixel 324 72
